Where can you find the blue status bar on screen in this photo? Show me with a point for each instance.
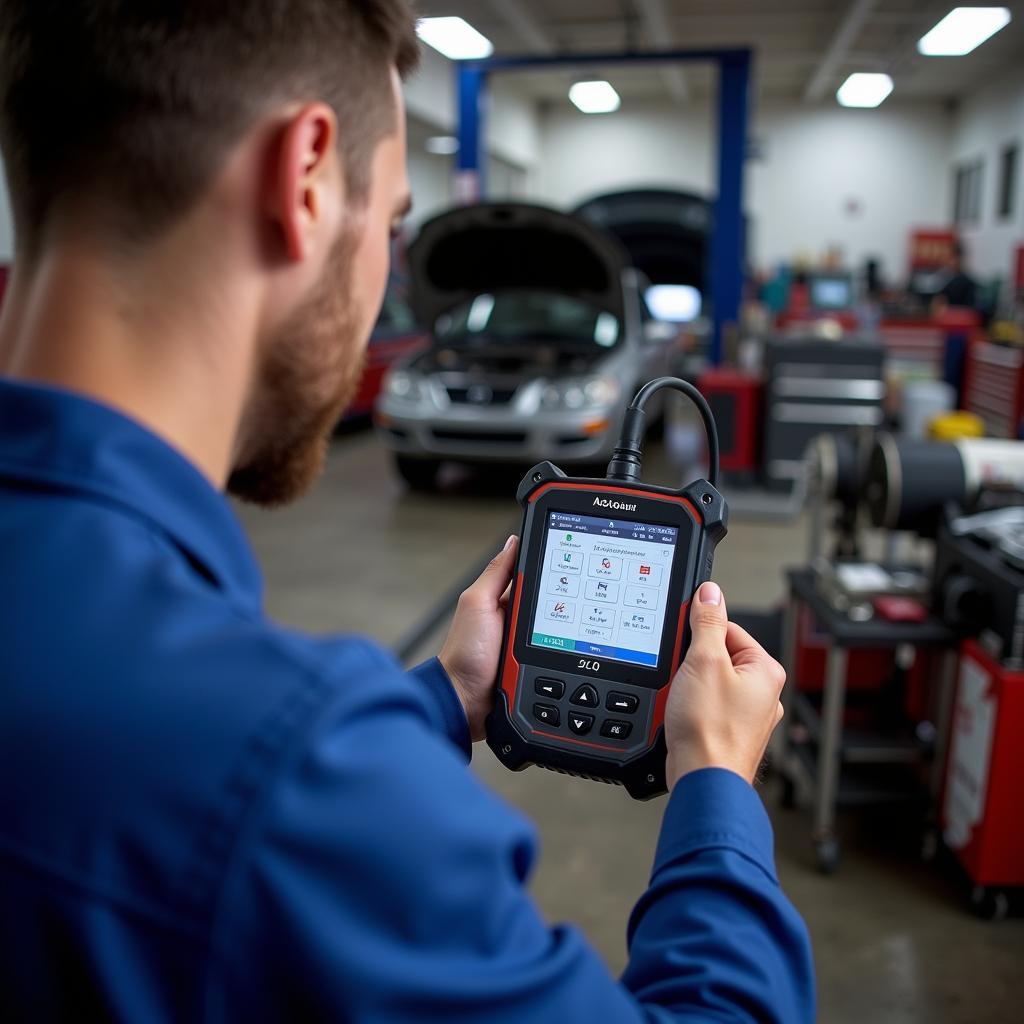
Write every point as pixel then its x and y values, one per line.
pixel 562 643
pixel 622 529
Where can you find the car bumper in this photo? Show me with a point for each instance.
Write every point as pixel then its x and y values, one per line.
pixel 476 435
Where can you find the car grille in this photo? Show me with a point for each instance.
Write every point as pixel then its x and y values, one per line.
pixel 498 437
pixel 481 395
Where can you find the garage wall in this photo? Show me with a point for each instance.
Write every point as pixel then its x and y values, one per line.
pixel 984 123
pixel 825 176
pixel 858 180
pixel 640 145
pixel 511 130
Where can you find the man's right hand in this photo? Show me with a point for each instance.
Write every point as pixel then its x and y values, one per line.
pixel 724 702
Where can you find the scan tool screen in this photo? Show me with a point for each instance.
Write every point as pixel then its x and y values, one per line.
pixel 604 587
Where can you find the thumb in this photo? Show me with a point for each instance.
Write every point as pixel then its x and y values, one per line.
pixel 709 618
pixel 494 580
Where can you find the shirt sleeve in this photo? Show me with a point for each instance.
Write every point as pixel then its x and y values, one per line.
pixel 714 937
pixel 382 882
pixel 443 704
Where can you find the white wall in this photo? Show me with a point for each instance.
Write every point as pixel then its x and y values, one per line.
pixel 511 122
pixel 859 180
pixel 891 162
pixel 640 145
pixel 984 123
pixel 511 140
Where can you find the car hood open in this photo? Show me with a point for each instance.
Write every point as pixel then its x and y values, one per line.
pixel 666 232
pixel 491 247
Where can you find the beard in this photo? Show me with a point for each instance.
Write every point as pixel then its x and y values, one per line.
pixel 310 373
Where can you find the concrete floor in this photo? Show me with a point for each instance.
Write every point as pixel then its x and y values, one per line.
pixel 893 941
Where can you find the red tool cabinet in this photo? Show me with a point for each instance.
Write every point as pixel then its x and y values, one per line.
pixel 981 814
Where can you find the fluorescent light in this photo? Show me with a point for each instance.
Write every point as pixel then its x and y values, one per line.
pixel 863 89
pixel 595 97
pixel 442 145
pixel 962 30
pixel 455 38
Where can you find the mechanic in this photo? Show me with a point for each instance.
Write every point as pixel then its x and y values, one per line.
pixel 957 287
pixel 203 815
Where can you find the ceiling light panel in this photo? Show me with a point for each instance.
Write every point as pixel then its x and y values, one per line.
pixel 455 38
pixel 596 97
pixel 962 30
pixel 864 89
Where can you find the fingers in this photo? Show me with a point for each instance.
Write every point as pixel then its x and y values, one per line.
pixel 737 639
pixel 494 581
pixel 746 653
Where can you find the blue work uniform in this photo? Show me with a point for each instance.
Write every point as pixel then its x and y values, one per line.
pixel 207 817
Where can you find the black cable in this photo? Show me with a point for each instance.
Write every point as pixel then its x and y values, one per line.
pixel 627 461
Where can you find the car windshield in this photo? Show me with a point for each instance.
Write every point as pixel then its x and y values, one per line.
pixel 516 317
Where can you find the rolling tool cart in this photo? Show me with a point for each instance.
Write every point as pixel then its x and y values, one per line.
pixel 845 764
pixel 979 589
pixel 981 817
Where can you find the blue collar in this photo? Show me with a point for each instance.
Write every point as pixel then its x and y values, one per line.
pixel 64 441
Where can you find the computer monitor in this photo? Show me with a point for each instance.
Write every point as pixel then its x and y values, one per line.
pixel 831 291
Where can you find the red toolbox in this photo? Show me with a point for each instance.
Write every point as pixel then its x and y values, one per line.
pixel 981 812
pixel 735 400
pixel 994 387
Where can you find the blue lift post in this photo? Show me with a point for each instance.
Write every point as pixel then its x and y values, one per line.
pixel 727 244
pixel 471 164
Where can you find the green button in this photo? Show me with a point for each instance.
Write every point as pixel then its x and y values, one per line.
pixel 543 640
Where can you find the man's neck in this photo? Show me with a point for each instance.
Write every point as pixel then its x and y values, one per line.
pixel 137 341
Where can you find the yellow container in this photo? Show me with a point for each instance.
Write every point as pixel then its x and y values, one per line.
pixel 954 426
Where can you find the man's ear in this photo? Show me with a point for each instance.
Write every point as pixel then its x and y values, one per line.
pixel 305 189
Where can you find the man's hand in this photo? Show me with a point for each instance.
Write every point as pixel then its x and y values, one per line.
pixel 470 653
pixel 724 702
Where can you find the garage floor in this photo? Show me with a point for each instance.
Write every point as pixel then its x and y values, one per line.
pixel 893 941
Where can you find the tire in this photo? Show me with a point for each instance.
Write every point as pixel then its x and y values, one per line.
pixel 930 841
pixel 419 474
pixel 787 794
pixel 989 904
pixel 826 855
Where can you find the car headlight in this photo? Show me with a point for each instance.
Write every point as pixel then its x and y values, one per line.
pixel 585 393
pixel 405 385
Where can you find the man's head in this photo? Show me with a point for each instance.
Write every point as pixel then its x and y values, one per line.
pixel 119 120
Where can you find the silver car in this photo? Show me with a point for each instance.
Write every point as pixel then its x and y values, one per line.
pixel 540 339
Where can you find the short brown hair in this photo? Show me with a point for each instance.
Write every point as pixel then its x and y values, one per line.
pixel 136 103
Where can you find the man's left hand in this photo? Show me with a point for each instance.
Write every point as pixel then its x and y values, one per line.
pixel 470 653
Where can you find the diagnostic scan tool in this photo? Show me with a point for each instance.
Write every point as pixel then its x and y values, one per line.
pixel 597 621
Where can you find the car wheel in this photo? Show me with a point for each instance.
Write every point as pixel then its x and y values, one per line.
pixel 419 474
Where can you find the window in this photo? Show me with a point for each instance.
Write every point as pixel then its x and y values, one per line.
pixel 525 317
pixel 967 193
pixel 1008 181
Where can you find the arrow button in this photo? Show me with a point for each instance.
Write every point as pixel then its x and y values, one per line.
pixel 580 724
pixel 545 687
pixel 585 696
pixel 624 703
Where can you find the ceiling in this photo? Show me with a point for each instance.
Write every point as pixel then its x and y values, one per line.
pixel 804 49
